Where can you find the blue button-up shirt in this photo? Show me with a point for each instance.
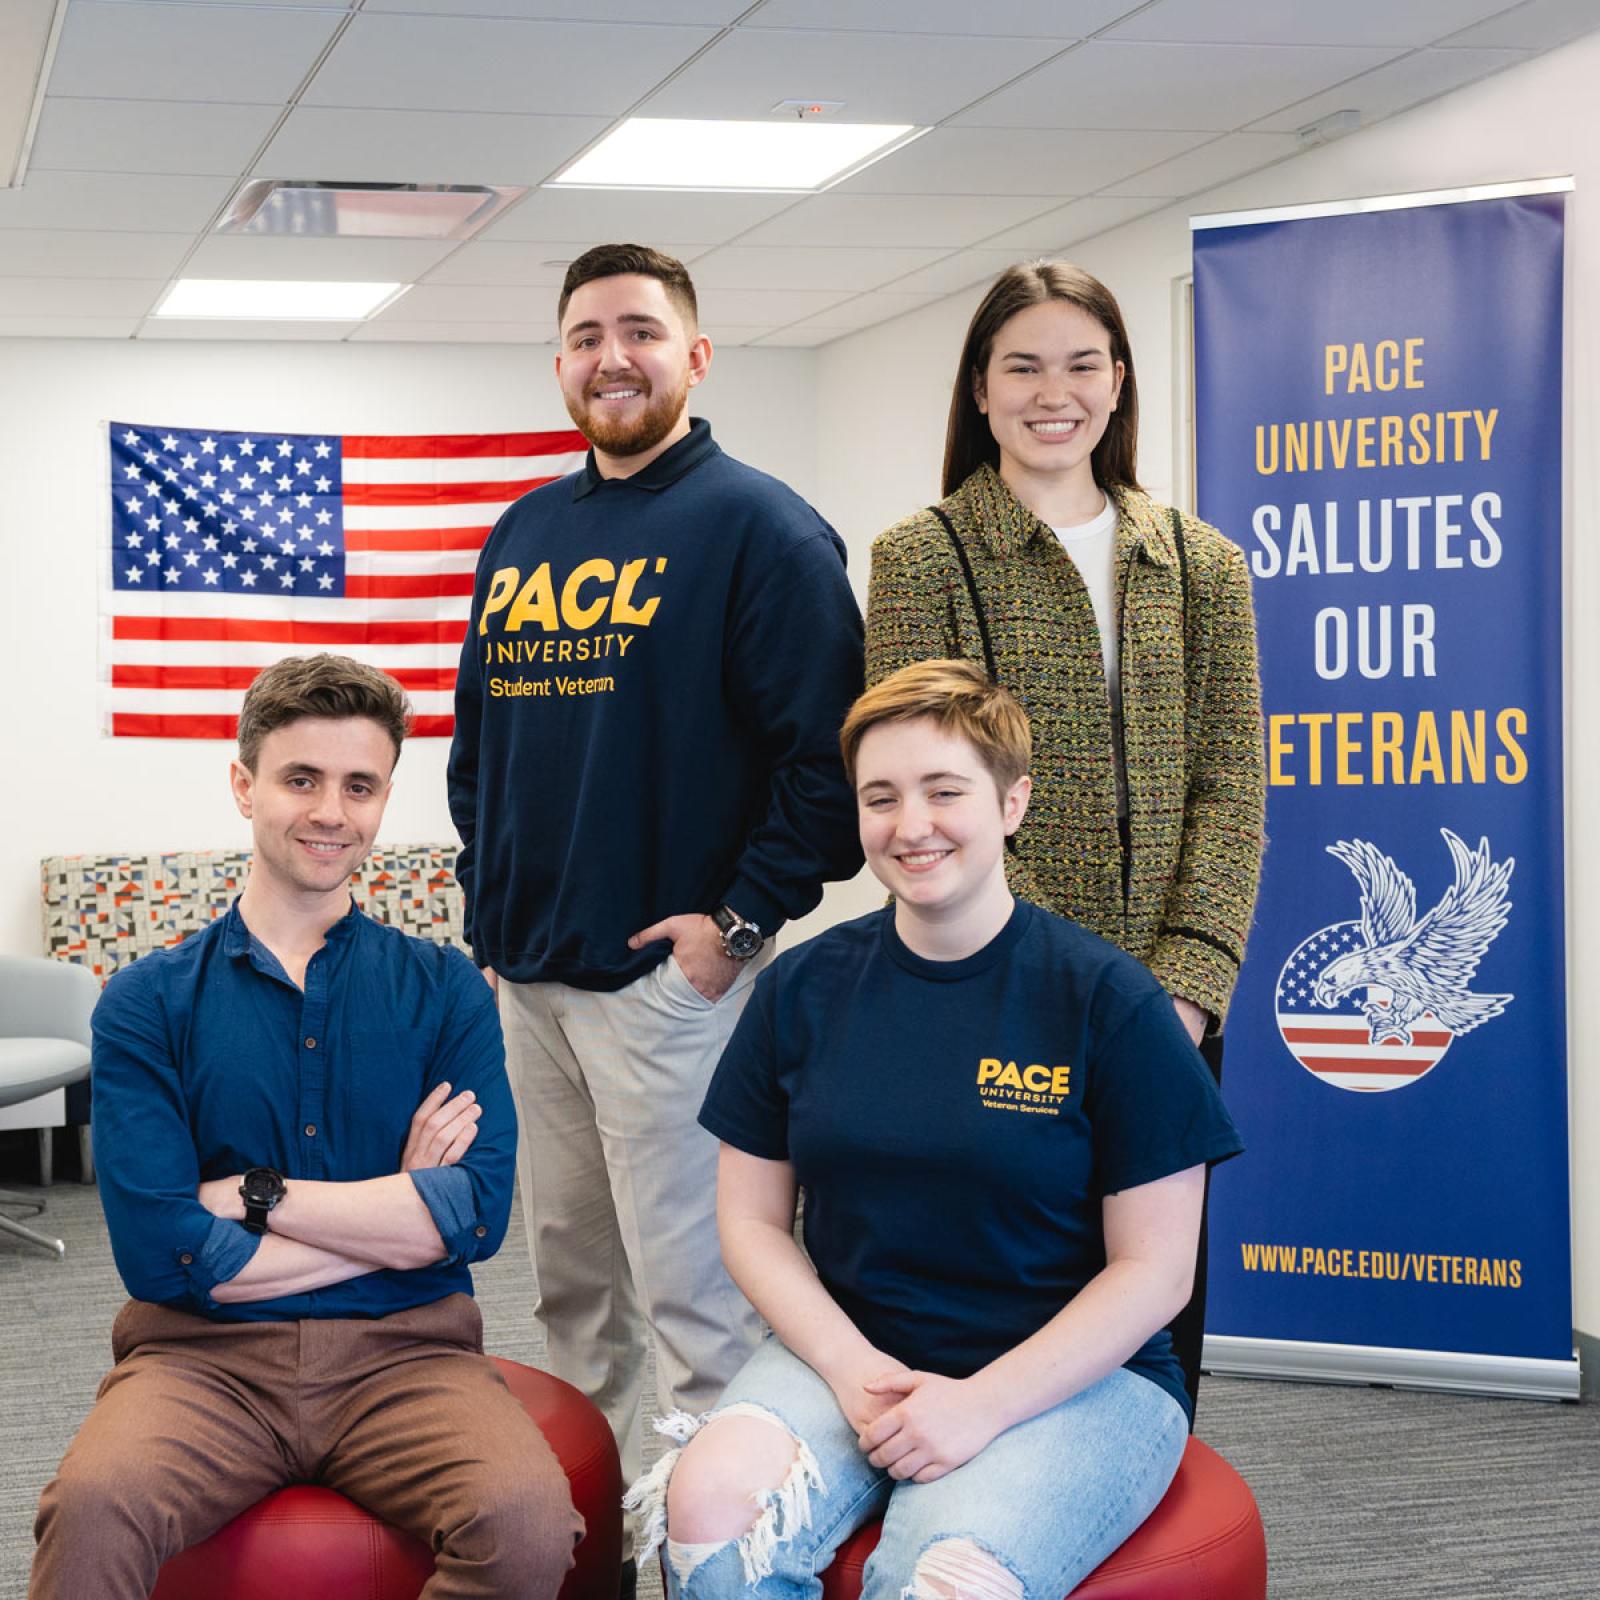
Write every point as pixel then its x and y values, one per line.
pixel 209 1060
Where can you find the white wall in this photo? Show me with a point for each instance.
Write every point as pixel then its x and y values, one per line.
pixel 883 395
pixel 67 789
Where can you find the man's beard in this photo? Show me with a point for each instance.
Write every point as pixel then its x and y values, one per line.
pixel 617 437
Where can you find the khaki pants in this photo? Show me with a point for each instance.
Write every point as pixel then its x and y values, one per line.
pixel 199 1420
pixel 619 1188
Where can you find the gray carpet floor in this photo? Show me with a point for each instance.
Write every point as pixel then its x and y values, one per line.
pixel 1364 1492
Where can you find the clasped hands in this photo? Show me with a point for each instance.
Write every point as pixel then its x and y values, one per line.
pixel 441 1132
pixel 919 1425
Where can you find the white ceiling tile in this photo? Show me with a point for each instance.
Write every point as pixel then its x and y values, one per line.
pixel 173 136
pixel 1395 87
pixel 1082 219
pixel 79 297
pixel 881 77
pixel 658 218
pixel 1120 84
pixel 381 332
pixel 367 146
pixel 498 64
pixel 897 219
pixel 868 309
pixel 222 329
pixel 1536 25
pixel 1016 161
pixel 765 308
pixel 958 271
pixel 122 50
pixel 1365 22
pixel 242 255
pixel 802 267
pixel 714 13
pixel 461 302
pixel 732 333
pixel 529 266
pixel 64 327
pixel 113 202
pixel 803 335
pixel 1026 19
pixel 70 253
pixel 1231 156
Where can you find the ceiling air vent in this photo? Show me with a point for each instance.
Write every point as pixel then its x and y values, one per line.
pixel 312 209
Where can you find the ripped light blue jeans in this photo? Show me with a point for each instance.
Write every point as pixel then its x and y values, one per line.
pixel 1047 1500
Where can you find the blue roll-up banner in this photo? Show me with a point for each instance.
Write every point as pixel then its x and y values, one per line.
pixel 1378 406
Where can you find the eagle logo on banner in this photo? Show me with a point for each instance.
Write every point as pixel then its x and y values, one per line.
pixel 1374 1004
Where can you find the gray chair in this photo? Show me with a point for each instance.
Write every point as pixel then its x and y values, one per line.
pixel 44 1044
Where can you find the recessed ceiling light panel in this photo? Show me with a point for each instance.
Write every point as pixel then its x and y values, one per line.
pixel 311 209
pixel 277 300
pixel 790 156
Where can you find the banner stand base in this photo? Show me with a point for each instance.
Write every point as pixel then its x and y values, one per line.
pixel 1446 1371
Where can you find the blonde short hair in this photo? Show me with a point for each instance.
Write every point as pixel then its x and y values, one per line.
pixel 961 699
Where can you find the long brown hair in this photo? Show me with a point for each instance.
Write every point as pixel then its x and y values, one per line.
pixel 968 441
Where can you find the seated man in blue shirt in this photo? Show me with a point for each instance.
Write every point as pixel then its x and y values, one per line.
pixel 304 1136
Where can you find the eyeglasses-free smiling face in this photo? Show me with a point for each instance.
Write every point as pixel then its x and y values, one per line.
pixel 626 365
pixel 933 826
pixel 315 801
pixel 1048 391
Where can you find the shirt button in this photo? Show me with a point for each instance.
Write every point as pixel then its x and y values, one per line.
pixel 481 1231
pixel 311 1130
pixel 186 1259
pixel 311 1044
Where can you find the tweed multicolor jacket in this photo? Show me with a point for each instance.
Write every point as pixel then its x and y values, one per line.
pixel 1181 896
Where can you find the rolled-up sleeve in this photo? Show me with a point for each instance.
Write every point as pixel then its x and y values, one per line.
pixel 168 1248
pixel 470 1202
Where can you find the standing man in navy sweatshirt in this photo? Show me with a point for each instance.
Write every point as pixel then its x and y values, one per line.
pixel 647 783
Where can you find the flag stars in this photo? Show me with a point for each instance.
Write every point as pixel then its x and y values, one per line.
pixel 247 480
pixel 248 513
pixel 209 542
pixel 323 485
pixel 208 480
pixel 170 507
pixel 190 461
pixel 248 579
pixel 168 442
pixel 324 549
pixel 151 458
pixel 210 575
pixel 287 547
pixel 133 575
pixel 227 497
pixel 152 522
pixel 325 580
pixel 172 541
pixel 269 562
pixel 191 558
pixel 285 448
pixel 130 437
pixel 324 518
pixel 249 546
pixel 302 500
pixel 247 447
pixel 135 539
pixel 307 564
pixel 302 465
pixel 131 471
pixel 191 525
pixel 305 533
pixel 230 559
pixel 286 514
pixel 208 446
pixel 170 574
pixel 323 450
pixel 286 579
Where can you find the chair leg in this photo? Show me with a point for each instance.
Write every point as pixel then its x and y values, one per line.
pixel 47 1154
pixel 12 1226
pixel 85 1154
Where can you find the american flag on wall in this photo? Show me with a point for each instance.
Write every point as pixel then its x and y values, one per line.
pixel 232 549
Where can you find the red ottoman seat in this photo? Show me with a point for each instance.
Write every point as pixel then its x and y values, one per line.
pixel 314 1544
pixel 1203 1542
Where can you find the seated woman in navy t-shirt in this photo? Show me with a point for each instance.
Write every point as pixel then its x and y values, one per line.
pixel 1002 1130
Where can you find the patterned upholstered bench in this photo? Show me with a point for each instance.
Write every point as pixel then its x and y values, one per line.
pixel 102 912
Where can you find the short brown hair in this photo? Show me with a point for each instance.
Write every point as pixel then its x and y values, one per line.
pixel 319 686
pixel 612 260
pixel 962 700
pixel 968 441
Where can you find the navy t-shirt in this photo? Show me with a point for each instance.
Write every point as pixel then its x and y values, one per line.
pixel 956 1124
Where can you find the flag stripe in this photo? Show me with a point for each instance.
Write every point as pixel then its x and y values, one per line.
pixel 361 586
pixel 126 675
pixel 566 441
pixel 431 494
pixel 255 653
pixel 319 634
pixel 1335 1035
pixel 476 469
pixel 166 725
pixel 1397 1069
pixel 402 539
pixel 225 702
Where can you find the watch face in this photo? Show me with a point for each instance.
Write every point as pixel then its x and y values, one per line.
pixel 742 942
pixel 261 1186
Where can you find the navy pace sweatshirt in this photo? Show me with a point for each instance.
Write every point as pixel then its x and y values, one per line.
pixel 647 714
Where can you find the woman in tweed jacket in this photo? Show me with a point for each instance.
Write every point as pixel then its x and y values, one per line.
pixel 1125 629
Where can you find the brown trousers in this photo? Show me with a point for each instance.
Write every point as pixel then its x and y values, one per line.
pixel 199 1420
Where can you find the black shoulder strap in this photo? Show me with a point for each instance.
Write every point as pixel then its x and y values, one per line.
pixel 972 590
pixel 1183 569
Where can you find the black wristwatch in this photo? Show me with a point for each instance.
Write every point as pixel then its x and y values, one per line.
pixel 261 1189
pixel 740 939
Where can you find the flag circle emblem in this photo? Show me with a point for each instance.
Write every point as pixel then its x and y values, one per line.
pixel 1336 1045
